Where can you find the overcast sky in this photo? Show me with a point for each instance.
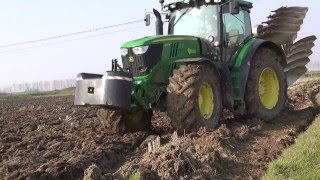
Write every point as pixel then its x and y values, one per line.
pixel 23 20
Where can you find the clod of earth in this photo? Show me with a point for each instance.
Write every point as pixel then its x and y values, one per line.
pixel 63 141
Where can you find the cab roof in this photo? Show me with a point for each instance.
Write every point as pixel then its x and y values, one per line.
pixel 192 3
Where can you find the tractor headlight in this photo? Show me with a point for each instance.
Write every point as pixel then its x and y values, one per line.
pixel 140 50
pixel 124 52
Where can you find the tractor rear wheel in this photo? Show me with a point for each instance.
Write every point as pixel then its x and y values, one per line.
pixel 266 90
pixel 120 121
pixel 194 97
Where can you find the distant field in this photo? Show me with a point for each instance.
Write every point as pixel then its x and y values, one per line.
pixel 64 92
pixel 302 160
pixel 312 74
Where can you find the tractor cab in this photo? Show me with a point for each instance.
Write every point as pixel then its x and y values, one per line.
pixel 224 24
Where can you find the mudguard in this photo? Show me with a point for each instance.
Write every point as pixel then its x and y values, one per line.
pixel 215 64
pixel 241 66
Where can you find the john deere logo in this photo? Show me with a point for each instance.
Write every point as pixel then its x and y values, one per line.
pixel 131 59
pixel 191 51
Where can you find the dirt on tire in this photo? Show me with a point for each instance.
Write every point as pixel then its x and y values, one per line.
pixel 111 121
pixel 265 59
pixel 118 121
pixel 49 138
pixel 183 93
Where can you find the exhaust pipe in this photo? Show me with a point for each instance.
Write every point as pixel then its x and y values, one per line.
pixel 159 22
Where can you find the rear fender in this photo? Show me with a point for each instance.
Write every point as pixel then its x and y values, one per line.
pixel 240 69
pixel 215 65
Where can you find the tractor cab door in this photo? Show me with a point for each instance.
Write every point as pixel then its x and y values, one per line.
pixel 236 28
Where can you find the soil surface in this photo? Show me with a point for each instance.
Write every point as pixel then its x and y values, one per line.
pixel 49 138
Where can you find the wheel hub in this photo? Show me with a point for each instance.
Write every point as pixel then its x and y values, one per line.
pixel 206 100
pixel 269 87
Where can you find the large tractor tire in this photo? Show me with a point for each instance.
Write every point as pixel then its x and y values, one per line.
pixel 120 121
pixel 266 90
pixel 194 97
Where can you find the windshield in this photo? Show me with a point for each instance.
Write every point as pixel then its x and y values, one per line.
pixel 201 22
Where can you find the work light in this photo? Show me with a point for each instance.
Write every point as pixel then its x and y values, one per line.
pixel 140 50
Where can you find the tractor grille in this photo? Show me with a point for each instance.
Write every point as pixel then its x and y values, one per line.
pixel 142 64
pixel 174 50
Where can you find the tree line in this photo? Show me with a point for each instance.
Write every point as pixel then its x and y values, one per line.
pixel 40 86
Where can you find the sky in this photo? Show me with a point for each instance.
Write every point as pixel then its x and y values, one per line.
pixel 64 58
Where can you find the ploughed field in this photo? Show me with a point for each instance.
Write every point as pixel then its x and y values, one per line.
pixel 49 138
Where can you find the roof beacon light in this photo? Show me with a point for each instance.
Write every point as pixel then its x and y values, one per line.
pixel 207 1
pixel 217 1
pixel 172 6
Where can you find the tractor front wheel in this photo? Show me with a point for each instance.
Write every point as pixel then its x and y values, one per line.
pixel 122 121
pixel 194 97
pixel 266 90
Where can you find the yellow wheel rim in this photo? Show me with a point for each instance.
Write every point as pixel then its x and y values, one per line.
pixel 269 88
pixel 206 100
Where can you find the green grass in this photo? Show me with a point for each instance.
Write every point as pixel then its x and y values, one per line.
pixel 300 161
pixel 64 92
pixel 135 176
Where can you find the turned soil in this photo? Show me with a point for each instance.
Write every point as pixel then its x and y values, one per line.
pixel 49 138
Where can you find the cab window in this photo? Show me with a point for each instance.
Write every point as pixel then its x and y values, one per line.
pixel 236 28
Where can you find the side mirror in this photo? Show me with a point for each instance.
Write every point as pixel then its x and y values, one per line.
pixel 234 7
pixel 147 19
pixel 211 39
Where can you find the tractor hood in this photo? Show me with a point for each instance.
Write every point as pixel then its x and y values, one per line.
pixel 158 40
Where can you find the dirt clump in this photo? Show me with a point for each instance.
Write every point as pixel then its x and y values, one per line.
pixel 304 93
pixel 52 138
pixel 182 157
pixel 49 138
pixel 93 172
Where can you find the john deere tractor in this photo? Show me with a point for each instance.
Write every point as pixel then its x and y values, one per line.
pixel 210 59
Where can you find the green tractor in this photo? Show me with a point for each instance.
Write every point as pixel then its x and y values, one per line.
pixel 211 59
